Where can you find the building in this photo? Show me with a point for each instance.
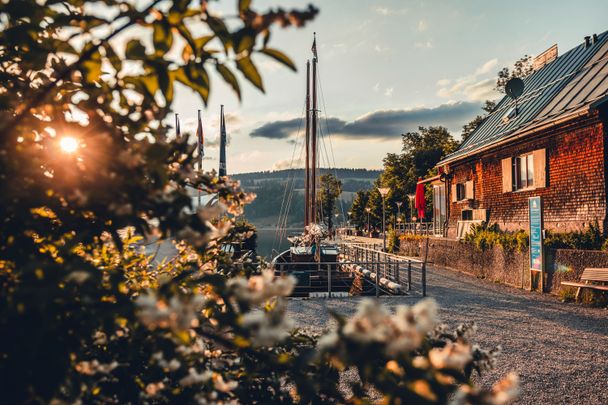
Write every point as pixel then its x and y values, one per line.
pixel 551 142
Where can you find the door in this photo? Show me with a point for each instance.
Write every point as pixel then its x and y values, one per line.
pixel 439 209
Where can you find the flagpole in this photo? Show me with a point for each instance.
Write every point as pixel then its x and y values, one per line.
pixel 200 140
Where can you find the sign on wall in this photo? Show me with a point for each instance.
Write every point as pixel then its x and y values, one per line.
pixel 535 212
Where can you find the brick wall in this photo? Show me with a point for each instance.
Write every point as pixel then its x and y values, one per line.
pixel 507 267
pixel 576 183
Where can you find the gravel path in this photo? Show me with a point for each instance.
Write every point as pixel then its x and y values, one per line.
pixel 560 351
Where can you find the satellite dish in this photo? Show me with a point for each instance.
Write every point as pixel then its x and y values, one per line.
pixel 514 87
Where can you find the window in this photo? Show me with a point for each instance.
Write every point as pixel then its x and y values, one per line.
pixel 523 172
pixel 466 215
pixel 460 192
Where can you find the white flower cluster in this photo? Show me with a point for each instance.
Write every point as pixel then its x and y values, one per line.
pixel 178 314
pixel 401 332
pixel 312 233
pixel 94 366
pixel 259 289
pixel 268 327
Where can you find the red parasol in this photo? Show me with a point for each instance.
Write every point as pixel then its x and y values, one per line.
pixel 419 200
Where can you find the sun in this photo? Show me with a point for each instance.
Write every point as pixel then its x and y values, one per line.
pixel 68 144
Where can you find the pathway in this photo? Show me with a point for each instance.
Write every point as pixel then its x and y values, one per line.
pixel 560 351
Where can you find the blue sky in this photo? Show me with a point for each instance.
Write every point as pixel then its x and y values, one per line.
pixel 385 68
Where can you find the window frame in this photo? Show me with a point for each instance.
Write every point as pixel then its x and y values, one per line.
pixel 522 172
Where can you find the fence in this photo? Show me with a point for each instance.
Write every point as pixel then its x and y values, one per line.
pixel 381 265
pixel 416 228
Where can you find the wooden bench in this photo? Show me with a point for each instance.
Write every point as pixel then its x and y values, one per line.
pixel 589 279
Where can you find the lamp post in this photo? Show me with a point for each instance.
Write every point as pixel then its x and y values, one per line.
pixel 368 210
pixel 383 192
pixel 399 203
pixel 412 198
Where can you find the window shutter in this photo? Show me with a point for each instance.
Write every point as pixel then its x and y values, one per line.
pixel 507 181
pixel 468 190
pixel 454 193
pixel 540 168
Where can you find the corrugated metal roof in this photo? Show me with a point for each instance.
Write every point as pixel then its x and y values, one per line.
pixel 574 80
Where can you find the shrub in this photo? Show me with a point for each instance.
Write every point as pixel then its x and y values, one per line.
pixel 392 241
pixel 591 239
pixel 486 236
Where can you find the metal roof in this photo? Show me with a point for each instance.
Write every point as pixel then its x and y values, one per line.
pixel 571 82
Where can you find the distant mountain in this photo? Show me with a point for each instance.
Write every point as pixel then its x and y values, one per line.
pixel 273 195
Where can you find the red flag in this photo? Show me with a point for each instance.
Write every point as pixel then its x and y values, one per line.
pixel 420 200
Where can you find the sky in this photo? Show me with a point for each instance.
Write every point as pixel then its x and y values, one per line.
pixel 385 68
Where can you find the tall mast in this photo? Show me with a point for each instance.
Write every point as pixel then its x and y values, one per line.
pixel 307 171
pixel 222 171
pixel 313 181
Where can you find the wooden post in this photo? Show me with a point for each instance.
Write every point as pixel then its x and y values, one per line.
pixel 409 275
pixel 424 279
pixel 328 280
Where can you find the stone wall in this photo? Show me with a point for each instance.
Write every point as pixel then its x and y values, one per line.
pixel 575 192
pixel 507 267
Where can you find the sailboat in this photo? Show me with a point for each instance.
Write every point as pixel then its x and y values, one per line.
pixel 309 251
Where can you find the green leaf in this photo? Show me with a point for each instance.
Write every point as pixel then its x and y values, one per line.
pixel 220 29
pixel 229 78
pixel 244 5
pixel 135 50
pixel 279 57
pixel 92 68
pixel 162 37
pixel 246 66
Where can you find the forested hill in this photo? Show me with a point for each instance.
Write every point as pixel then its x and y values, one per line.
pixel 270 189
pixel 342 174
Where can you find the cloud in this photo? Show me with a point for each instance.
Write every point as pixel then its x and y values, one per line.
pixel 474 87
pixel 386 11
pixel 422 26
pixel 376 87
pixel 288 164
pixel 380 125
pixel 389 91
pixel 423 45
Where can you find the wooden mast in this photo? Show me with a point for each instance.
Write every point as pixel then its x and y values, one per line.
pixel 313 185
pixel 307 172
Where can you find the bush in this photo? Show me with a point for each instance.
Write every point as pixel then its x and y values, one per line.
pixel 485 236
pixel 589 239
pixel 392 241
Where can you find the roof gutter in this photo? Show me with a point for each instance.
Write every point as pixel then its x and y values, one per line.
pixel 557 121
pixel 429 179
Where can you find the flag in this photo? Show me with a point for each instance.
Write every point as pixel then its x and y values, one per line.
pixel 314 47
pixel 178 131
pixel 222 171
pixel 200 138
pixel 420 200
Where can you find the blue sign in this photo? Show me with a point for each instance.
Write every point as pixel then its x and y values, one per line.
pixel 536 233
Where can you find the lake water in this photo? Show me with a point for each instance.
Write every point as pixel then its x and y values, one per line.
pixel 267 241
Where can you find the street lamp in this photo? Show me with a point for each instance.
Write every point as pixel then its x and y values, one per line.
pixel 399 203
pixel 383 192
pixel 368 210
pixel 412 198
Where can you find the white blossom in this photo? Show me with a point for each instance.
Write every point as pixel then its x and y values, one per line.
pixel 452 356
pixel 268 327
pixel 178 314
pixel 402 332
pixel 94 366
pixel 194 377
pixel 259 289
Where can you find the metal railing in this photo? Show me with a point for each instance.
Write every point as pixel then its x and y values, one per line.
pixel 382 265
pixel 416 228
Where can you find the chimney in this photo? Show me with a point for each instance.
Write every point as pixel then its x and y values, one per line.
pixel 587 41
pixel 594 39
